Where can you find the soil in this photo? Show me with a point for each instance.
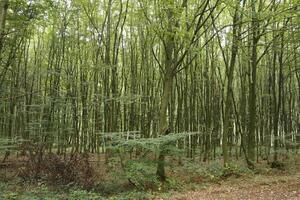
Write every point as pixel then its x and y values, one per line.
pixel 275 187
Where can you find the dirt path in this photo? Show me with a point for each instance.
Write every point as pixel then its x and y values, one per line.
pixel 279 187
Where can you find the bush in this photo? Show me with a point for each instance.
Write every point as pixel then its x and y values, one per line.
pixel 216 170
pixel 141 174
pixel 233 169
pixel 54 169
pixel 172 184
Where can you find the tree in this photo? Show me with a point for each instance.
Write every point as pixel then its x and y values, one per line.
pixel 173 58
pixel 3 13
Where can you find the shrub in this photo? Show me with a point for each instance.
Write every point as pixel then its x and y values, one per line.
pixel 52 168
pixel 215 170
pixel 233 169
pixel 141 174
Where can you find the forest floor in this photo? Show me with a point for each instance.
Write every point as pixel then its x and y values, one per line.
pixel 188 182
pixel 275 186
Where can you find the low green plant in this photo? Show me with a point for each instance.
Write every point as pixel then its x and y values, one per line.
pixel 141 173
pixel 216 170
pixel 235 170
pixel 9 195
pixel 3 186
pixel 79 194
pixel 134 195
pixel 173 184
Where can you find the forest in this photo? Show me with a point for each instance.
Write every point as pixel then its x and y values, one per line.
pixel 149 99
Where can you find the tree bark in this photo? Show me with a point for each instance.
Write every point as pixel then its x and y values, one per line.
pixel 3 14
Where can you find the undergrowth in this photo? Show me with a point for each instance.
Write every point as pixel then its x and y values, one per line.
pixel 50 176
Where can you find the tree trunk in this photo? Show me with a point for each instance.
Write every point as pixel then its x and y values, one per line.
pixel 3 13
pixel 229 89
pixel 252 85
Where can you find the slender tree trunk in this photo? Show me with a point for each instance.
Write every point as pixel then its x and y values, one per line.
pixel 163 123
pixel 252 85
pixel 229 73
pixel 3 13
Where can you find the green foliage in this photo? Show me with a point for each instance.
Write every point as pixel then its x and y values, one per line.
pixel 3 186
pixel 83 194
pixel 112 186
pixel 9 195
pixel 134 195
pixel 172 184
pixel 39 192
pixel 141 174
pixel 43 192
pixel 152 144
pixel 236 169
pixel 215 170
pixel 73 72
